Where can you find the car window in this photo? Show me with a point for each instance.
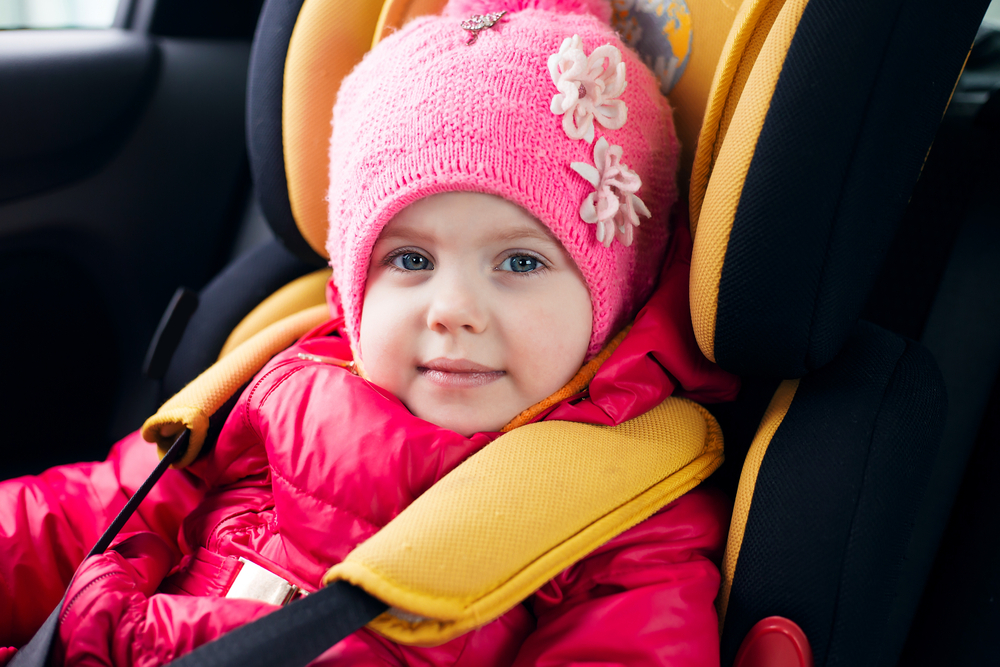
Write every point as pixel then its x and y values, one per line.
pixel 15 14
pixel 993 14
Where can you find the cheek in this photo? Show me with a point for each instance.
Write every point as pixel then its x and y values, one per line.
pixel 555 336
pixel 382 337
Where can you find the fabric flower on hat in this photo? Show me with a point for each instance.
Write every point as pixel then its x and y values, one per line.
pixel 588 87
pixel 613 206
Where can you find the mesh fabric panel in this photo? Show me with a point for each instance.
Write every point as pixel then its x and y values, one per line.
pixel 836 496
pixel 853 114
pixel 223 303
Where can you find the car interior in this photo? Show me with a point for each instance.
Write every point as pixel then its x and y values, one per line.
pixel 151 202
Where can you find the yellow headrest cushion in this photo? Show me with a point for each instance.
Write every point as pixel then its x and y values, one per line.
pixel 330 37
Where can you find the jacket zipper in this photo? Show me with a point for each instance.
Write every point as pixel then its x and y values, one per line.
pixel 70 604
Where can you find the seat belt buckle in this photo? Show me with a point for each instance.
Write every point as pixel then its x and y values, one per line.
pixel 254 582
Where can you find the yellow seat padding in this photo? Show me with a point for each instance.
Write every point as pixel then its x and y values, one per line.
pixel 769 423
pixel 330 37
pixel 520 511
pixel 710 22
pixel 742 92
pixel 301 293
pixel 397 13
pixel 192 406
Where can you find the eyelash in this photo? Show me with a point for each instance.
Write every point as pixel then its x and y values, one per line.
pixel 390 259
pixel 543 265
pixel 541 268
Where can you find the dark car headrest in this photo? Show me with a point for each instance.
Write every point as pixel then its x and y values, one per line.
pixel 806 167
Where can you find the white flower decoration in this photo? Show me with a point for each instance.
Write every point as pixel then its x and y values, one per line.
pixel 587 88
pixel 613 205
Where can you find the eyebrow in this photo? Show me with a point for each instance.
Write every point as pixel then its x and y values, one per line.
pixel 522 231
pixel 525 232
pixel 404 234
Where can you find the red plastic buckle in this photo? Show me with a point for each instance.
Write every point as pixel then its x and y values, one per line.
pixel 775 642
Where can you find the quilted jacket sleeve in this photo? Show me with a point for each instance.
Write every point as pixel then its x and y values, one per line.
pixel 112 616
pixel 644 598
pixel 50 521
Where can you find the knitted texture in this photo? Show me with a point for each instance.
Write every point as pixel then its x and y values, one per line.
pixel 426 113
pixel 465 8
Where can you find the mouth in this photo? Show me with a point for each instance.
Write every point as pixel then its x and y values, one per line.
pixel 458 373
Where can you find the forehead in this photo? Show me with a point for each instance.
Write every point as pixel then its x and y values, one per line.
pixel 471 216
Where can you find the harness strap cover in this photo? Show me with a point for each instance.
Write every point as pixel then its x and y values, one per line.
pixel 520 511
pixel 192 406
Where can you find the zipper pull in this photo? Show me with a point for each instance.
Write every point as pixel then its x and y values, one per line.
pixel 349 365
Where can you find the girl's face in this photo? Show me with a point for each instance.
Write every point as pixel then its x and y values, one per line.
pixel 473 312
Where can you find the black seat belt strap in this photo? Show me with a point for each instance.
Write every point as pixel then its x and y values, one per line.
pixel 36 652
pixel 292 636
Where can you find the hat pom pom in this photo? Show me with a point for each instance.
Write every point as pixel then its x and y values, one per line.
pixel 465 8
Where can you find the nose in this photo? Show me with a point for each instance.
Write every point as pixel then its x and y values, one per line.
pixel 457 304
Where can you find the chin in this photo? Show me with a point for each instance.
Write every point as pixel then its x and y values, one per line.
pixel 460 423
pixel 468 430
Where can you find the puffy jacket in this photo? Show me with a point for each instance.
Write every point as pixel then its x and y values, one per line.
pixel 314 460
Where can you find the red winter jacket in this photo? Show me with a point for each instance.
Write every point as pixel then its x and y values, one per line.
pixel 314 460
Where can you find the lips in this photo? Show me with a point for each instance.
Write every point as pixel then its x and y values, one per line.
pixel 458 373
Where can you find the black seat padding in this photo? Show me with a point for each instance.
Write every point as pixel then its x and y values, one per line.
pixel 836 497
pixel 265 147
pixel 223 303
pixel 855 108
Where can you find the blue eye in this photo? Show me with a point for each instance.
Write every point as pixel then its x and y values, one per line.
pixel 412 261
pixel 520 264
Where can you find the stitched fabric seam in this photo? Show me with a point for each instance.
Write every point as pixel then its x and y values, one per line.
pixel 278 383
pixel 249 399
pixel 277 473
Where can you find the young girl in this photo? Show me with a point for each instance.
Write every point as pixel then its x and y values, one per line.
pixel 502 178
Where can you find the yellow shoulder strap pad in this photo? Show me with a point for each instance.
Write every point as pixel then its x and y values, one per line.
pixel 520 511
pixel 202 397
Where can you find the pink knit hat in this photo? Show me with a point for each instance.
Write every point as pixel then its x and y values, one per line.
pixel 544 106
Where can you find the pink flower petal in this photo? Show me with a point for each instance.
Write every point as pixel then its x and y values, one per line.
pixel 607 204
pixel 589 172
pixel 623 232
pixel 600 153
pixel 639 206
pixel 588 211
pixel 589 86
pixel 613 114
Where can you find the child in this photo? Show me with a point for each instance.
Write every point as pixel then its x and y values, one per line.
pixel 500 191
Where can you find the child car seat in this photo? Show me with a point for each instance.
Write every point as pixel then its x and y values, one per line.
pixel 812 124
